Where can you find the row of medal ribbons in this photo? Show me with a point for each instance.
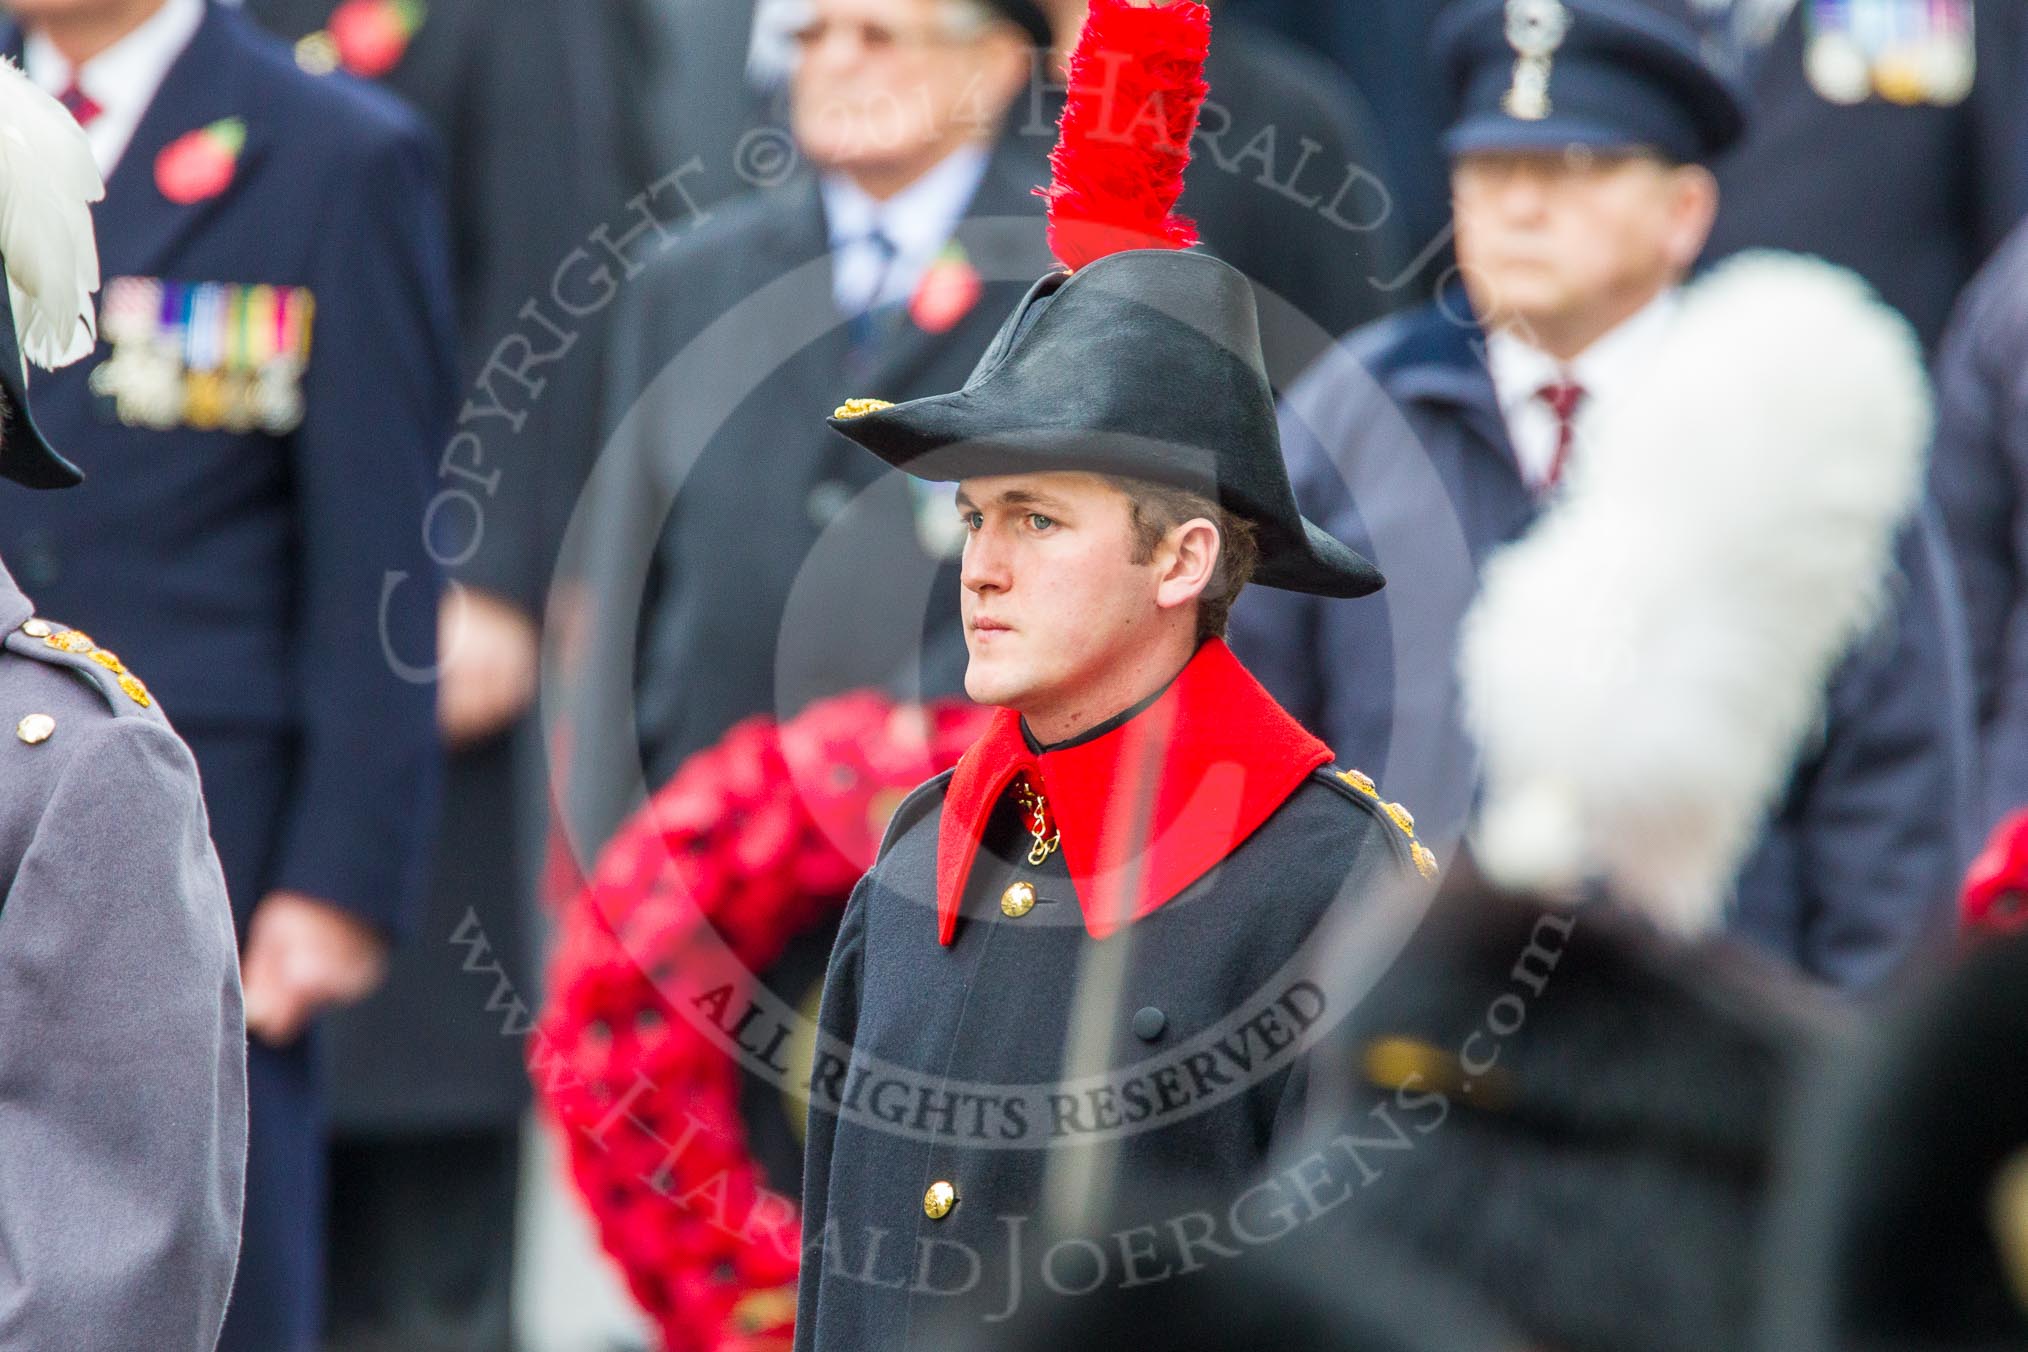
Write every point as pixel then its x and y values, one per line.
pixel 1905 51
pixel 206 355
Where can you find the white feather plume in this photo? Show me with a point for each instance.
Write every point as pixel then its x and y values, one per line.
pixel 1641 669
pixel 48 179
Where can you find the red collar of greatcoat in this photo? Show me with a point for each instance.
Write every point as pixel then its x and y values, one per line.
pixel 1146 809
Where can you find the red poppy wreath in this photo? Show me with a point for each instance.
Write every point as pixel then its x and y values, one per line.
pixel 752 843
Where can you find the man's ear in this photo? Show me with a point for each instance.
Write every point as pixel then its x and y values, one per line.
pixel 1693 212
pixel 1187 559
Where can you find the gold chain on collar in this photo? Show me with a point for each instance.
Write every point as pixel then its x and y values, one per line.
pixel 1047 838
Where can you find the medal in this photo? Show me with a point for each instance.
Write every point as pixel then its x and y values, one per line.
pixel 1906 52
pixel 215 356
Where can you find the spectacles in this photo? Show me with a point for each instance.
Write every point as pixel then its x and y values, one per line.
pixel 875 39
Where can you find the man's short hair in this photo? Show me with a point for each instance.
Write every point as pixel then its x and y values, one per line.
pixel 1160 508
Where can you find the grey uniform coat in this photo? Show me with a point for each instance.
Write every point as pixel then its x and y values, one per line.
pixel 122 1044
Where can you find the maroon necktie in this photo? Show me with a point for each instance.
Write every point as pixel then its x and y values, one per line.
pixel 1563 398
pixel 80 105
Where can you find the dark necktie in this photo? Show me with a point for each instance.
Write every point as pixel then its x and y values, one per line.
pixel 1563 397
pixel 80 105
pixel 869 328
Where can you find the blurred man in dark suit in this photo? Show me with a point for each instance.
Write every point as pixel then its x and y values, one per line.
pixel 534 102
pixel 1890 138
pixel 754 559
pixel 274 377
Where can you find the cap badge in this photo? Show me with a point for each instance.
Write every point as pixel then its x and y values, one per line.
pixel 1535 30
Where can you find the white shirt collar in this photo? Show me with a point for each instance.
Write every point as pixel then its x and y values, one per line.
pixel 123 79
pixel 919 221
pixel 1520 370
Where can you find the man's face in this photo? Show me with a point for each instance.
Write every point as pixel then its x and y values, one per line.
pixel 895 85
pixel 1544 236
pixel 1052 596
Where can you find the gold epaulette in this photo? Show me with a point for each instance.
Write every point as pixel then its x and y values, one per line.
pixel 1425 858
pixel 78 643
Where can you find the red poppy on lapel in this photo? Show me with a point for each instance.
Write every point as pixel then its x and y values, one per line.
pixel 373 35
pixel 947 292
pixel 200 164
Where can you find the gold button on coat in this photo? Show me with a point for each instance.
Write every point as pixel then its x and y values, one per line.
pixel 35 729
pixel 938 1201
pixel 1018 900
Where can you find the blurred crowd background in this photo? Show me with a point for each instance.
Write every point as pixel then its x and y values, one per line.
pixel 681 231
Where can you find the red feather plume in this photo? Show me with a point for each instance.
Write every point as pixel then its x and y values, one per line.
pixel 1136 87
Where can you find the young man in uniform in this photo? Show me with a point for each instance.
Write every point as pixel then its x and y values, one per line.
pixel 122 1046
pixel 1076 961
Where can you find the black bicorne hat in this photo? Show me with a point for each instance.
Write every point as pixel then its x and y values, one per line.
pixel 26 456
pixel 1145 364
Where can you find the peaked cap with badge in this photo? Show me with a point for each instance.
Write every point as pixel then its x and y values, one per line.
pixel 110 893
pixel 1613 75
pixel 1054 938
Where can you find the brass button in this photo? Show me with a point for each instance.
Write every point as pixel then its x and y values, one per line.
pixel 1360 781
pixel 38 629
pixel 938 1201
pixel 35 729
pixel 1425 859
pixel 1017 900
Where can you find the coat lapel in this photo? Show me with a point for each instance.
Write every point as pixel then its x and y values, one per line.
pixel 139 228
pixel 1448 374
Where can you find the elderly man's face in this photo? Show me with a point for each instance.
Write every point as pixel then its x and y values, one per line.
pixel 1545 239
pixel 892 86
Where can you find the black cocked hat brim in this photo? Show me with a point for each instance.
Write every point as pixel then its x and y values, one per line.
pixel 1145 364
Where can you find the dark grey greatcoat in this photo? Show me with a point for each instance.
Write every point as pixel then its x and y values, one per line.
pixel 957 1054
pixel 122 1043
